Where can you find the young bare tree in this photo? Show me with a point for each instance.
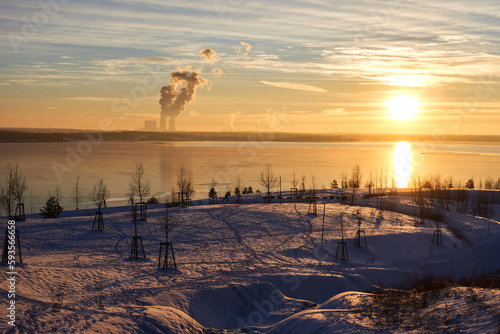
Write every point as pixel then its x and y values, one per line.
pixel 355 182
pixel 370 182
pixel 184 184
pixel 9 189
pixel 294 182
pixel 343 178
pixel 237 185
pixel 99 194
pixel 20 185
pixel 77 193
pixel 488 183
pixel 497 184
pixel 213 183
pixel 167 223
pixel 7 198
pixel 268 180
pixel 312 190
pixel 139 185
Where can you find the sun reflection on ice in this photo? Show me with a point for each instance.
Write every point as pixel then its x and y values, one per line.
pixel 402 163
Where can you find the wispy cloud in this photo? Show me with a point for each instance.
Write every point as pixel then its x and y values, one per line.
pixel 292 85
pixel 89 98
pixel 357 52
pixel 338 111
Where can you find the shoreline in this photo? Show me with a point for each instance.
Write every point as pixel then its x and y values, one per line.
pixel 39 135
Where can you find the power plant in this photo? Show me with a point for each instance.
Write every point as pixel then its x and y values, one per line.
pixel 173 99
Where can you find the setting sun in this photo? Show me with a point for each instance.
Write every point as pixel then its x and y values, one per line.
pixel 403 107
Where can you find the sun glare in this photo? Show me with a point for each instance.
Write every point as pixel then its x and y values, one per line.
pixel 402 163
pixel 403 107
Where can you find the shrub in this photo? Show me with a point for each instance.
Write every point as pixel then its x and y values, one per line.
pixel 212 193
pixel 153 200
pixel 470 184
pixel 52 209
pixel 56 296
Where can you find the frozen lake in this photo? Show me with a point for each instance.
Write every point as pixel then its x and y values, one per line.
pixel 51 165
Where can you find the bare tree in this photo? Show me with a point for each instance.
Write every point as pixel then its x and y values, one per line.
pixel 294 182
pixel 131 194
pixel 77 193
pixel 355 182
pixel 20 185
pixel 237 185
pixel 184 183
pixel 488 183
pixel 99 194
pixel 213 183
pixel 139 185
pixel 8 190
pixel 370 182
pixel 312 190
pixel 268 180
pixel 497 184
pixel 167 223
pixel 343 182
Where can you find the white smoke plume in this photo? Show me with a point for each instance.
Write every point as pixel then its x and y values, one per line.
pixel 211 55
pixel 174 99
pixel 229 126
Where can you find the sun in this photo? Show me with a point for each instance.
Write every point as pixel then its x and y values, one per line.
pixel 403 107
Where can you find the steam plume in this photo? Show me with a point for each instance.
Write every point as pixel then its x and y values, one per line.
pixel 173 99
pixel 230 121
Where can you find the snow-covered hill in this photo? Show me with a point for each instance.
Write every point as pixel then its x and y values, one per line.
pixel 255 267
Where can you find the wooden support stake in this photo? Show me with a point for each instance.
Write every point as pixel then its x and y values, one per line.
pixel 100 222
pixel 164 264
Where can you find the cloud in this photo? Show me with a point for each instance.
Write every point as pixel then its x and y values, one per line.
pixel 193 113
pixel 51 108
pixel 89 98
pixel 210 55
pixel 292 85
pixel 4 84
pixel 217 72
pixel 246 45
pixel 243 52
pixel 153 60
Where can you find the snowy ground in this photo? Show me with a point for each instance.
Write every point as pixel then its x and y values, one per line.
pixel 254 267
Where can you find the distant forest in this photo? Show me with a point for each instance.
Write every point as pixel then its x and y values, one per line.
pixel 44 135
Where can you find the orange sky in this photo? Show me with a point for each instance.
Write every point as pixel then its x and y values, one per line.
pixel 301 67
